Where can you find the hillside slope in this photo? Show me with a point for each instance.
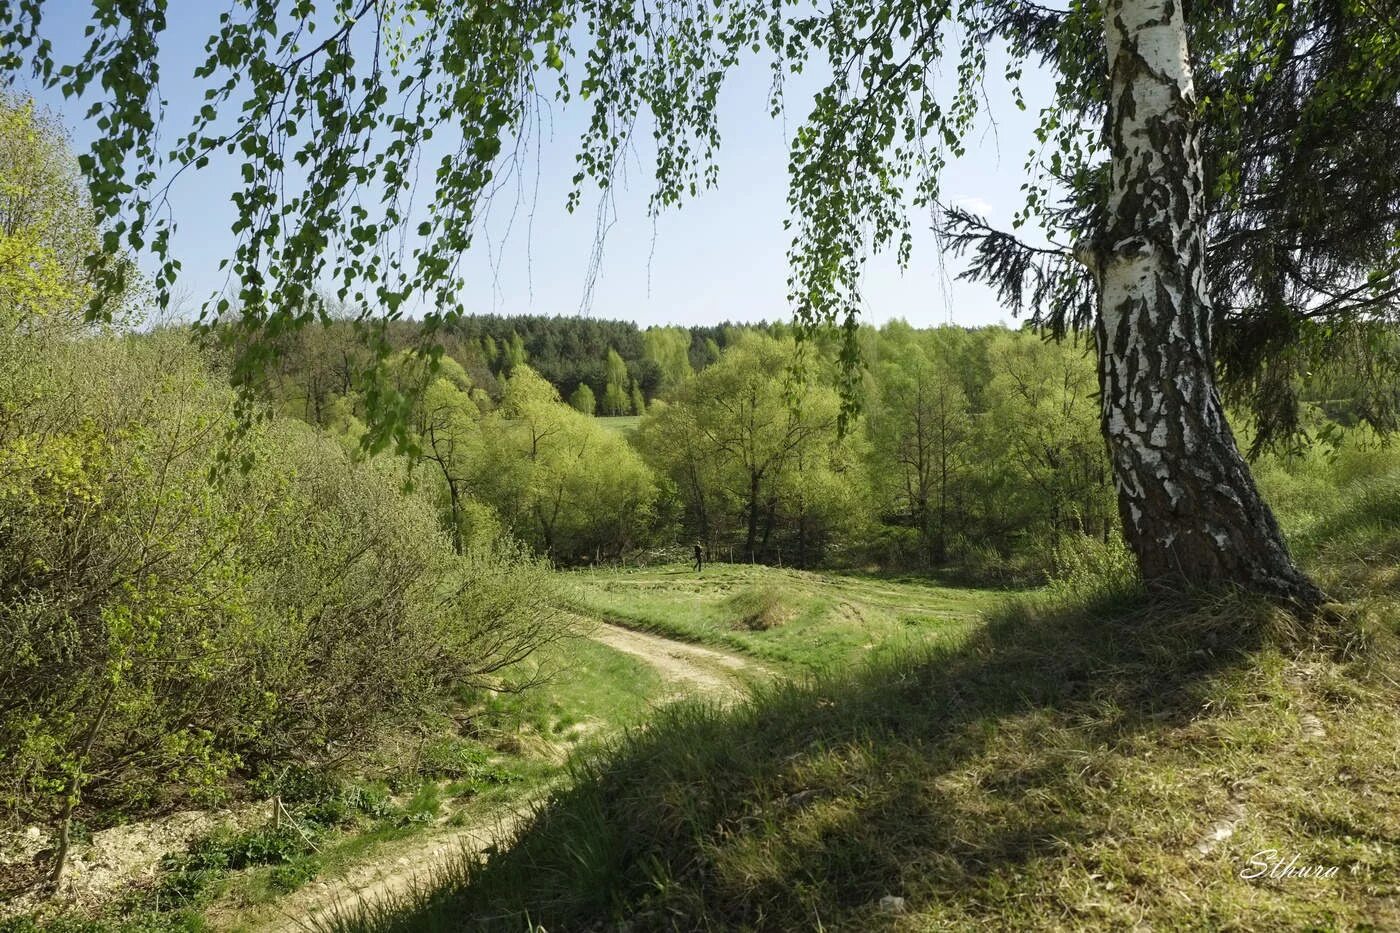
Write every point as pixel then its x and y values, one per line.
pixel 1077 763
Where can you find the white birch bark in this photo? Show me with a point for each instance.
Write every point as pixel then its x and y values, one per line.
pixel 1190 508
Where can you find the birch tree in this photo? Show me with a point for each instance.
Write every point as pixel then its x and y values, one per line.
pixel 329 104
pixel 1191 511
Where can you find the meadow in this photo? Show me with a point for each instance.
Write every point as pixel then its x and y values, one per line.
pixel 795 620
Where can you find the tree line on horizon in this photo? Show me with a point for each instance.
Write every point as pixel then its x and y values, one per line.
pixel 600 366
pixel 975 449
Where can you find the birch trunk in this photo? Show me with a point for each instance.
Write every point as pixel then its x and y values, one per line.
pixel 1190 508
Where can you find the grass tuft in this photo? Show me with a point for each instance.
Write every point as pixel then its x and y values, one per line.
pixel 759 608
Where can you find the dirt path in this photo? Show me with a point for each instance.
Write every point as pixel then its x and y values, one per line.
pixel 390 873
pixel 687 669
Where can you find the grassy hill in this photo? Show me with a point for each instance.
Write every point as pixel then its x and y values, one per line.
pixel 796 620
pixel 1063 769
pixel 1085 759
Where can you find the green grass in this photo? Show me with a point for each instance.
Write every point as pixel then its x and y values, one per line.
pixel 1056 771
pixel 626 424
pixel 1077 762
pixel 792 619
pixel 577 688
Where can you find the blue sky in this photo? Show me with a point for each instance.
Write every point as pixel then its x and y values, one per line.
pixel 721 256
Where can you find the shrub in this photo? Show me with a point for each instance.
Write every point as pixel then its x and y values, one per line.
pixel 287 878
pixel 166 631
pixel 187 878
pixel 121 595
pixel 1087 568
pixel 759 608
pixel 454 758
pixel 369 614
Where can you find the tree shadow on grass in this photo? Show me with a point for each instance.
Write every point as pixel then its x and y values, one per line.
pixel 927 774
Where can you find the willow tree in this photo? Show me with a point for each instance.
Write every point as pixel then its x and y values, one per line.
pixel 332 105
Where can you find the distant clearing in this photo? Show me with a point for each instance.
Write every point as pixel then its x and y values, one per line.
pixel 795 619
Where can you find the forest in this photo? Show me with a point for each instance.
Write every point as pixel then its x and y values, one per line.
pixel 331 604
pixel 975 451
pixel 748 455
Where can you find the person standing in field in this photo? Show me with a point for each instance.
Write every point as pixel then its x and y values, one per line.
pixel 699 558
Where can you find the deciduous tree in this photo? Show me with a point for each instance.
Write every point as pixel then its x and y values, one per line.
pixel 748 427
pixel 921 433
pixel 582 399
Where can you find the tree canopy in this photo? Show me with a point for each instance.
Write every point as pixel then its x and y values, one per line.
pixel 331 107
pixel 1300 101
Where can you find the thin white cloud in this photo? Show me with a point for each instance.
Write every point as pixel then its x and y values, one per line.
pixel 975 205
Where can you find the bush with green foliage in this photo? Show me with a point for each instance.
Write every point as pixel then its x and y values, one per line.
pixel 560 480
pixel 174 619
pixel 752 448
pixel 582 399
